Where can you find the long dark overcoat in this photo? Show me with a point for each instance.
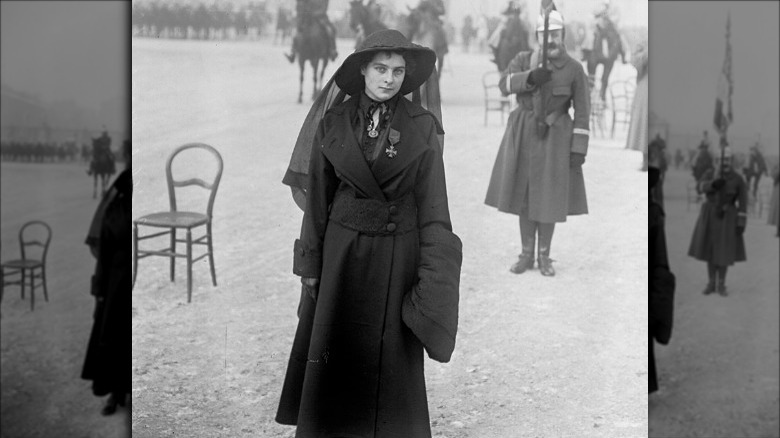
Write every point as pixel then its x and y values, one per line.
pixel 356 367
pixel 715 238
pixel 660 292
pixel 109 352
pixel 527 166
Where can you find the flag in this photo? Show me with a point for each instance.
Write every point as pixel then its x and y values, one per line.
pixel 723 115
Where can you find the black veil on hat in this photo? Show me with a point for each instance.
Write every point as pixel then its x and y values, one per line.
pixel 421 86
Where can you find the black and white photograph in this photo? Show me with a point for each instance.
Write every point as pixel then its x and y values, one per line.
pixel 65 209
pixel 713 219
pixel 417 218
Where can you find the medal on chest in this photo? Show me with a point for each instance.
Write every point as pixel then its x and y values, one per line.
pixel 391 151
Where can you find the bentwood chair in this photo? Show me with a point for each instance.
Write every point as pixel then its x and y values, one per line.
pixel 494 100
pixel 31 267
pixel 621 95
pixel 174 219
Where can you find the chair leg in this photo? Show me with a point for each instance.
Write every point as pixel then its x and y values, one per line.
pixel 211 256
pixel 23 280
pixel 32 291
pixel 43 278
pixel 189 265
pixel 135 254
pixel 173 251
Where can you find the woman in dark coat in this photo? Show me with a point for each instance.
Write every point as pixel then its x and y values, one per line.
pixel 661 291
pixel 109 353
pixel 379 261
pixel 717 238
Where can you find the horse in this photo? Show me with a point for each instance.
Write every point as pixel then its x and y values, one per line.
pixel 425 28
pixel 363 21
pixel 312 45
pixel 102 165
pixel 605 34
pixel 514 39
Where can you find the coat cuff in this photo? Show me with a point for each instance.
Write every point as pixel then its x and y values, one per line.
pixel 306 261
pixel 579 141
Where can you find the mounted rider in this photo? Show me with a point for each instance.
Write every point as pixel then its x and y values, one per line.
pixel 309 13
pixel 510 38
pixel 101 153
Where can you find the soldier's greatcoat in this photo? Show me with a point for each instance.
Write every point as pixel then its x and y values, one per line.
pixel 379 238
pixel 527 166
pixel 715 238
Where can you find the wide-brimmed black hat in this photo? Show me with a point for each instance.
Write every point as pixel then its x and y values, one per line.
pixel 349 78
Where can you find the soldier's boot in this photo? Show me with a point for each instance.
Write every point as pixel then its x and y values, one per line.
pixel 721 286
pixel 545 239
pixel 525 260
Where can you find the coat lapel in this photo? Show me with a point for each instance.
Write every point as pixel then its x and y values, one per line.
pixel 343 151
pixel 409 147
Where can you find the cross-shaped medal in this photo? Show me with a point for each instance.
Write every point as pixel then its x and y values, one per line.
pixel 391 152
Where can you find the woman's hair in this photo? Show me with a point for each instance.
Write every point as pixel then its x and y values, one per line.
pixel 411 64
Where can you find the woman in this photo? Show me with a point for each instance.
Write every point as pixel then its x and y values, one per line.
pixel 378 260
pixel 717 238
pixel 662 282
pixel 109 353
pixel 637 128
pixel 774 203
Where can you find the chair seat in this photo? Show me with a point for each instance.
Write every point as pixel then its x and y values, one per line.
pixel 22 264
pixel 176 219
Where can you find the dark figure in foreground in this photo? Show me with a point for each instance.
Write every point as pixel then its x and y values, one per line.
pixel 662 283
pixel 109 353
pixel 717 238
pixel 379 262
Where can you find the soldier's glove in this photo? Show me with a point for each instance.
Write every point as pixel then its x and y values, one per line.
pixel 740 230
pixel 576 160
pixel 539 76
pixel 312 286
pixel 718 184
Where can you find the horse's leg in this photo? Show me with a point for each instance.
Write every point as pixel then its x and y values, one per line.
pixel 322 73
pixel 301 64
pixel 315 65
pixel 608 64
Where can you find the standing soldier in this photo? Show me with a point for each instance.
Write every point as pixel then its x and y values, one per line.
pixel 717 238
pixel 538 171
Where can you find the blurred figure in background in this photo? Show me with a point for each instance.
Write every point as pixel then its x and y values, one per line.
pixel 637 129
pixel 109 352
pixel 717 238
pixel 756 168
pixel 657 154
pixel 774 203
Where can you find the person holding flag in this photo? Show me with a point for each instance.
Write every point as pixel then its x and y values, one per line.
pixel 537 174
pixel 717 238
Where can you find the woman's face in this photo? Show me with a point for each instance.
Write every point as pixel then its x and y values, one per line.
pixel 384 75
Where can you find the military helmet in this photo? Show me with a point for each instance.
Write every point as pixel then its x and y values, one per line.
pixel 556 22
